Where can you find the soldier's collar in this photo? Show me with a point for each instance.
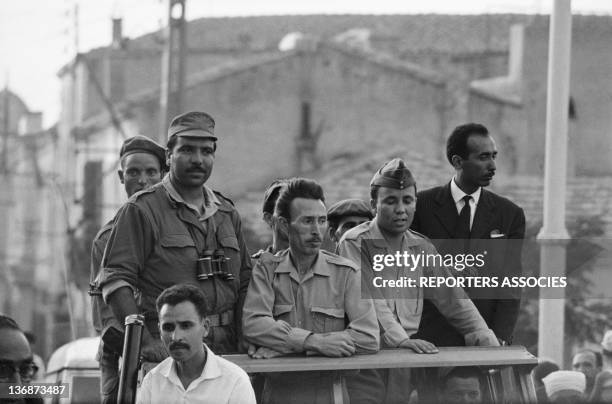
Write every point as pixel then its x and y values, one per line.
pixel 287 267
pixel 378 240
pixel 211 202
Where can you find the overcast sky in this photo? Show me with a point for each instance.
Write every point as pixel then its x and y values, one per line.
pixel 38 36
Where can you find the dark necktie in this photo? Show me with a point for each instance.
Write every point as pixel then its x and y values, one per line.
pixel 463 224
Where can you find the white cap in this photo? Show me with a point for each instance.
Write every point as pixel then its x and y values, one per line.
pixel 564 380
pixel 606 342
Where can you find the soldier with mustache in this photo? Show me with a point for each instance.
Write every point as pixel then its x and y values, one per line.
pixel 304 300
pixel 180 231
pixel 463 216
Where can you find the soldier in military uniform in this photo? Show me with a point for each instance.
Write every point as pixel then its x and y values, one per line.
pixel 306 300
pixel 279 242
pixel 393 198
pixel 346 214
pixel 364 386
pixel 180 231
pixel 142 165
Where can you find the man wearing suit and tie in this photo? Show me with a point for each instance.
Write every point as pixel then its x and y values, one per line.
pixel 442 213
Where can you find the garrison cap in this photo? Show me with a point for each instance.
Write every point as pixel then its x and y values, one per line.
pixel 271 195
pixel 349 207
pixel 200 124
pixel 393 174
pixel 143 144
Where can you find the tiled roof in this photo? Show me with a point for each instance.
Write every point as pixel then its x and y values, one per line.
pixel 448 33
pixel 242 65
pixel 402 34
pixel 444 33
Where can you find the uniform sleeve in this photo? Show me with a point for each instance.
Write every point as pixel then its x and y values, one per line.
pixel 392 331
pixel 130 243
pixel 97 251
pixel 460 312
pixel 363 324
pixel 259 325
pixel 243 392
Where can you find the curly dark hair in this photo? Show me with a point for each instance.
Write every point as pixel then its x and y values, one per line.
pixel 184 293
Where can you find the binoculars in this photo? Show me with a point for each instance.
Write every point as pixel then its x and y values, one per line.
pixel 214 264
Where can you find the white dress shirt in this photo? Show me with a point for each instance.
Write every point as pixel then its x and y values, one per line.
pixel 221 382
pixel 458 195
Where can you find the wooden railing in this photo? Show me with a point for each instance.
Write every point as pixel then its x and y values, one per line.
pixel 507 368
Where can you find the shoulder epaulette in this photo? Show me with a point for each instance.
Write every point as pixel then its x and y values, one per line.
pixel 223 197
pixel 257 254
pixel 142 192
pixel 338 260
pixel 106 228
pixel 416 233
pixel 266 257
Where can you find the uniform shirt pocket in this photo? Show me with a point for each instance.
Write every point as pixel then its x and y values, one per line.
pixel 177 241
pixel 328 319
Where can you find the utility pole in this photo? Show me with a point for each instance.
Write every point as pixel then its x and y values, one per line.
pixel 553 236
pixel 6 112
pixel 6 206
pixel 173 66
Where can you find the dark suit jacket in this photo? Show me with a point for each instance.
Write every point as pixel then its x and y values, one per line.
pixel 436 216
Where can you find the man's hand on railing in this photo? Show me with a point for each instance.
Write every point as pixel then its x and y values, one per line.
pixel 263 353
pixel 153 349
pixel 334 344
pixel 419 346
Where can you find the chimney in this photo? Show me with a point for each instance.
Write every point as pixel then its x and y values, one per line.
pixel 117 33
pixel 114 82
pixel 516 52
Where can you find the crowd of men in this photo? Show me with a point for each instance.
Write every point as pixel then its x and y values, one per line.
pixel 589 380
pixel 298 298
pixel 175 252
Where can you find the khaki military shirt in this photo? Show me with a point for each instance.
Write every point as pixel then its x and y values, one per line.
pixel 399 316
pixel 281 309
pixel 102 315
pixel 156 242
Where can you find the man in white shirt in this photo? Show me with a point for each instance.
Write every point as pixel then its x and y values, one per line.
pixel 192 373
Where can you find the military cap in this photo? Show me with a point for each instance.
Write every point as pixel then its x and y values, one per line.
pixel 143 144
pixel 200 124
pixel 349 207
pixel 393 174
